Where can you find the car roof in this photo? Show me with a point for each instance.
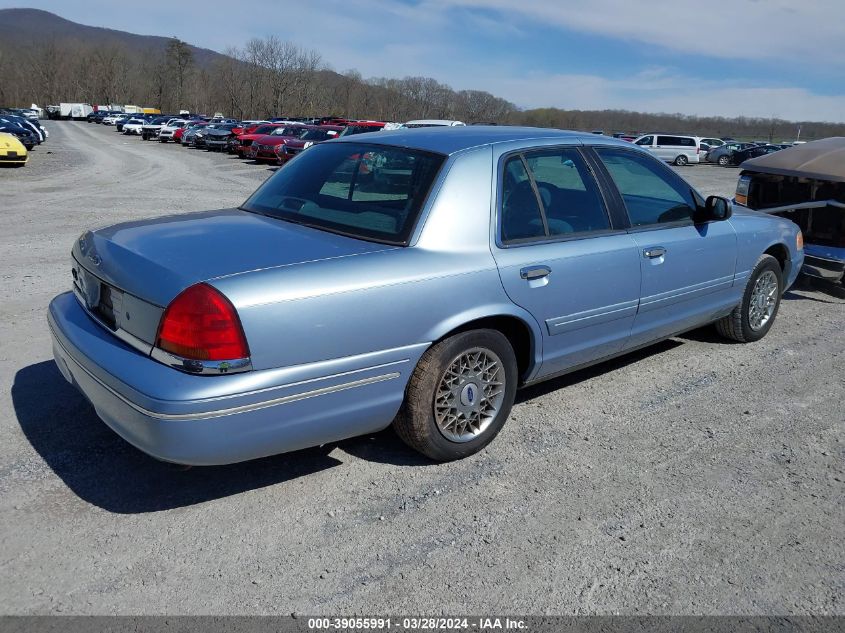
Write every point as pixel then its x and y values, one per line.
pixel 821 160
pixel 449 140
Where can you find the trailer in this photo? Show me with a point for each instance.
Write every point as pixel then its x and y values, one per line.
pixel 75 111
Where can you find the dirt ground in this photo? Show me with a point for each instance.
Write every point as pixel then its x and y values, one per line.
pixel 693 477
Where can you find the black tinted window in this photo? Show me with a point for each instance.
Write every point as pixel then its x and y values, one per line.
pixel 652 194
pixel 367 191
pixel 683 141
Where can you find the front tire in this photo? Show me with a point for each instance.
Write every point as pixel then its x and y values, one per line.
pixel 752 319
pixel 681 160
pixel 724 161
pixel 459 396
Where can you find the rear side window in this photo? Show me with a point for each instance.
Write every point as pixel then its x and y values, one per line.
pixel 681 141
pixel 547 194
pixel 521 215
pixel 652 194
pixel 370 192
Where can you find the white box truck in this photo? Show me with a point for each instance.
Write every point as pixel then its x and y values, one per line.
pixel 74 110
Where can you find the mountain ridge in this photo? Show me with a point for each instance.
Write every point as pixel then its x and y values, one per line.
pixel 22 24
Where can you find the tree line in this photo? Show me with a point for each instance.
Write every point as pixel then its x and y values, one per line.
pixel 272 77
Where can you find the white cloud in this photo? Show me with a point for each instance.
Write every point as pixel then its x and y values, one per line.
pixel 807 32
pixel 794 41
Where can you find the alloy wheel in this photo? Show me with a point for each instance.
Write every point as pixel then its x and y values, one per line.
pixel 469 395
pixel 763 301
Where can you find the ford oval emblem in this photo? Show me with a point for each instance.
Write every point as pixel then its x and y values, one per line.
pixel 95 259
pixel 471 395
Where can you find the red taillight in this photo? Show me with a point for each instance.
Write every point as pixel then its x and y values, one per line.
pixel 201 324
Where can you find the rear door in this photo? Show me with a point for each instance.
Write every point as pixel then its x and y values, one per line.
pixel 562 258
pixel 687 269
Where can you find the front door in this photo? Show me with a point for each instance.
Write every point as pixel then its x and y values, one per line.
pixel 687 269
pixel 561 258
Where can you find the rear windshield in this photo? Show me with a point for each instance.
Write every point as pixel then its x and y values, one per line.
pixel 318 134
pixel 371 192
pixel 360 129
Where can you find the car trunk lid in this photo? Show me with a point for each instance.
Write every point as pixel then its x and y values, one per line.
pixel 127 273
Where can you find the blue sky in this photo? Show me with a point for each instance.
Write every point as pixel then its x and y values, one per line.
pixel 760 58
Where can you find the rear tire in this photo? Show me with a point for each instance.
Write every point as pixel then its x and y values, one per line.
pixel 459 395
pixel 752 319
pixel 681 160
pixel 724 161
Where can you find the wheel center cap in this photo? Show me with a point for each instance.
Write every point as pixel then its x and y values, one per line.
pixel 469 394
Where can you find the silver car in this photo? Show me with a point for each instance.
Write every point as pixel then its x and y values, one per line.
pixel 414 278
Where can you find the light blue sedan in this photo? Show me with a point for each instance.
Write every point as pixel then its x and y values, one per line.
pixel 415 278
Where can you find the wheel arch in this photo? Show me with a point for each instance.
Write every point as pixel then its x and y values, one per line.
pixel 780 252
pixel 521 330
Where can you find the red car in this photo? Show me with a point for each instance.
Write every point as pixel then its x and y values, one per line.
pixel 243 141
pixel 315 134
pixel 263 148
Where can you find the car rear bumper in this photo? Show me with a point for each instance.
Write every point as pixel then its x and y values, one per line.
pixel 826 263
pixel 7 159
pixel 205 420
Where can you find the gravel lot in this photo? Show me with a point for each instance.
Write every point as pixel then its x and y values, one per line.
pixel 694 477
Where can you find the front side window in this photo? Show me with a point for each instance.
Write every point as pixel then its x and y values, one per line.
pixel 646 140
pixel 370 192
pixel 550 193
pixel 652 194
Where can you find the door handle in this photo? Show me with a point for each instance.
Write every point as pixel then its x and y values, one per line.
pixel 654 252
pixel 535 272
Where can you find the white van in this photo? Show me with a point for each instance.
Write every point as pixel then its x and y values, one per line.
pixel 673 148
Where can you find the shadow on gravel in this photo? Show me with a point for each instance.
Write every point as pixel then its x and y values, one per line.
pixel 581 375
pixel 706 334
pixel 385 447
pixel 104 470
pixel 809 289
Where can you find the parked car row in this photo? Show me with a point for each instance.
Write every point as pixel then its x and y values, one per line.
pixel 267 141
pixel 20 133
pixel 681 150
